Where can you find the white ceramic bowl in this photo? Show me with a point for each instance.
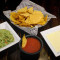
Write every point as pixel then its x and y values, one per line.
pixel 5 25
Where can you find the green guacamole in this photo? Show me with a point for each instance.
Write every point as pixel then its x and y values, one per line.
pixel 5 37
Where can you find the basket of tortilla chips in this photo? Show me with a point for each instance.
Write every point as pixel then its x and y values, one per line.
pixel 29 16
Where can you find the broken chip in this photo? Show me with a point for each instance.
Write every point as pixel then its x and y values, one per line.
pixel 24 41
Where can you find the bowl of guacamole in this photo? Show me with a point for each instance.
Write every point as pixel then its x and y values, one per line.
pixel 8 37
pixel 5 37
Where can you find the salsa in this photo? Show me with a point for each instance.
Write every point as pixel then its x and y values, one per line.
pixel 33 45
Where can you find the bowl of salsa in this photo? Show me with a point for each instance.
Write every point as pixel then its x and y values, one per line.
pixel 33 46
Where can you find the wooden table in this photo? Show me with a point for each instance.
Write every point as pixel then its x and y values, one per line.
pixel 13 53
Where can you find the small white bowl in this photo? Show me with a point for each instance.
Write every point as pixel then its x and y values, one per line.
pixel 6 26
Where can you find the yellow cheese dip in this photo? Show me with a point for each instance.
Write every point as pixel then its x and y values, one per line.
pixel 54 39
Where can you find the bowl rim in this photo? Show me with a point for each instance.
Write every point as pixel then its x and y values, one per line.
pixel 33 37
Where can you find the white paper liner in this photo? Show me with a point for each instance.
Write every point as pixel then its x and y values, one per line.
pixel 29 4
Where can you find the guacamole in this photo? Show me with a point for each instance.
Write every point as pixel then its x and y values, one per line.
pixel 5 37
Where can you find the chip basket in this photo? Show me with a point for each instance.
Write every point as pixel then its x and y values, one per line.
pixel 28 3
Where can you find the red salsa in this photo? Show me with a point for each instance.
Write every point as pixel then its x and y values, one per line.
pixel 33 45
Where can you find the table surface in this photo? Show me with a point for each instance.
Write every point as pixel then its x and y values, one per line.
pixel 13 52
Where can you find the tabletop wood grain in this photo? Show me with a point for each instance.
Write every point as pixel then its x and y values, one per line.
pixel 13 53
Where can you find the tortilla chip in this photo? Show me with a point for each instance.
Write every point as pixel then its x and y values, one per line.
pixel 21 17
pixel 25 14
pixel 41 20
pixel 15 21
pixel 21 20
pixel 45 18
pixel 28 20
pixel 34 19
pixel 25 24
pixel 38 12
pixel 22 9
pixel 30 10
pixel 42 23
pixel 12 13
pixel 24 41
pixel 32 26
pixel 15 15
